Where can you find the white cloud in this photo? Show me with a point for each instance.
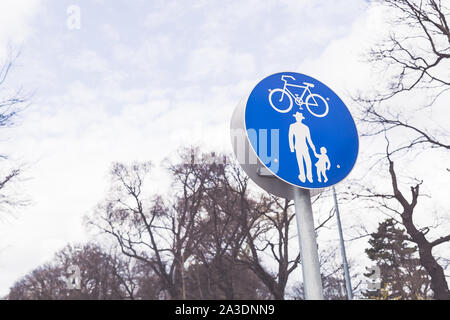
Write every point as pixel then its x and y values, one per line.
pixel 86 61
pixel 210 63
pixel 110 32
pixel 16 17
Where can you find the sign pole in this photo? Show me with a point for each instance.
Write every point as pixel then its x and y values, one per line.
pixel 308 246
pixel 348 284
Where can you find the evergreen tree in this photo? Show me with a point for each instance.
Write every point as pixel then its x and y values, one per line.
pixel 402 276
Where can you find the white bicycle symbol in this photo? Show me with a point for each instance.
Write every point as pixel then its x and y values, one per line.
pixel 315 103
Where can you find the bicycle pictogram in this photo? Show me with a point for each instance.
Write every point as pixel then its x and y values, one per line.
pixel 315 103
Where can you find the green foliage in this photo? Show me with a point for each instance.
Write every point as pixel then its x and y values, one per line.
pixel 402 276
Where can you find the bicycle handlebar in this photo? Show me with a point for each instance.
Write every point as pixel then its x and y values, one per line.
pixel 286 76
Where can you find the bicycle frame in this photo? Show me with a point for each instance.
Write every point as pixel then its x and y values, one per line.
pixel 305 89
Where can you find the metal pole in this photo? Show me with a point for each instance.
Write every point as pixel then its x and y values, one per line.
pixel 348 284
pixel 308 246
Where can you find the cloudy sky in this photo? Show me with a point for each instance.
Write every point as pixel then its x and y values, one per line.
pixel 141 79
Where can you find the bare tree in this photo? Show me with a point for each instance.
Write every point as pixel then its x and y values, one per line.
pixel 268 224
pixel 397 206
pixel 43 283
pixel 418 62
pixel 162 234
pixel 11 103
pixel 438 282
pixel 5 198
pixel 416 57
pixel 207 281
pixel 223 235
pixel 102 276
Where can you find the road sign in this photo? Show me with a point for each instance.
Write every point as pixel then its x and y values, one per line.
pixel 313 141
pixel 294 136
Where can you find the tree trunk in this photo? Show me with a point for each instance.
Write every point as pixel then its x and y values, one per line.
pixel 438 282
pixel 278 293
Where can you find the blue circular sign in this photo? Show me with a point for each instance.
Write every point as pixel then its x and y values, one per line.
pixel 301 130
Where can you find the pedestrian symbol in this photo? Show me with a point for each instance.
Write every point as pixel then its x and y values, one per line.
pixel 317 140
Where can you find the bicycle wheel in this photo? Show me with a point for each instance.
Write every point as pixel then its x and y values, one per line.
pixel 279 98
pixel 318 106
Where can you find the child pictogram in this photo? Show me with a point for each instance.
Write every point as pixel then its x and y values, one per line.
pixel 323 164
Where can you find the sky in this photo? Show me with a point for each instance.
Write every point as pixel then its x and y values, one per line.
pixel 139 80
